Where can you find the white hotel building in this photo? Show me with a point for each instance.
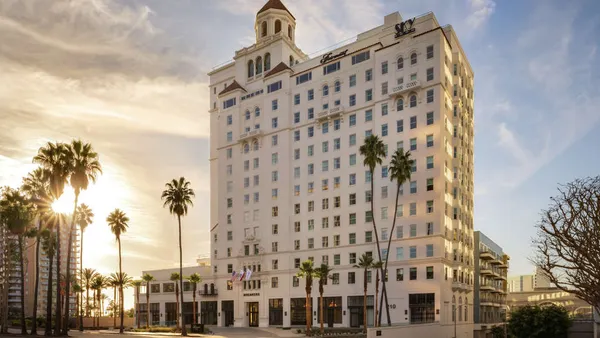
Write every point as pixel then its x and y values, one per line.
pixel 288 182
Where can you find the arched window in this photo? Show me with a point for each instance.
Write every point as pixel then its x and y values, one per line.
pixel 263 29
pixel 250 68
pixel 466 310
pixel 413 58
pixel 247 115
pixel 255 145
pixel 258 65
pixel 277 26
pixel 290 31
pixel 337 86
pixel 400 63
pixel 205 288
pixel 246 148
pixel 291 60
pixel 325 90
pixel 212 288
pixel 459 309
pixel 413 100
pixel 267 62
pixel 400 105
pixel 453 308
pixel 256 112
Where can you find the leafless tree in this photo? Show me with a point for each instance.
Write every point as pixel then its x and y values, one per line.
pixel 568 243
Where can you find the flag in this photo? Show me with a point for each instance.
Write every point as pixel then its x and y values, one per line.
pixel 233 274
pixel 248 274
pixel 241 274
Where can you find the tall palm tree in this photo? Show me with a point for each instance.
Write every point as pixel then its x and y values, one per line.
pixel 399 172
pixel 373 151
pixel 175 278
pixel 36 186
pixel 194 279
pixel 88 275
pixel 48 239
pixel 84 168
pixel 308 272
pixel 365 262
pixel 137 284
pixel 113 282
pixel 56 158
pixel 85 217
pixel 178 197
pixel 98 284
pixel 122 281
pixel 17 214
pixel 377 266
pixel 118 222
pixel 147 278
pixel 322 274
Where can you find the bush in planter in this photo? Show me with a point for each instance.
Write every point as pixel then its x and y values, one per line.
pixel 539 322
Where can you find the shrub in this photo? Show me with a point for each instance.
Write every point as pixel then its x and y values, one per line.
pixel 539 322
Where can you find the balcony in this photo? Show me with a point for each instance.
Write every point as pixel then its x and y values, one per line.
pixel 208 293
pixel 486 255
pixel 404 87
pixel 250 134
pixel 459 286
pixel 330 113
pixel 251 238
pixel 485 271
pixel 486 287
pixel 496 262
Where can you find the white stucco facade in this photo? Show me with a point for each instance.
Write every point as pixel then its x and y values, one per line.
pixel 288 181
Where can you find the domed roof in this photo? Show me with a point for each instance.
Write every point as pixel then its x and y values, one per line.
pixel 275 4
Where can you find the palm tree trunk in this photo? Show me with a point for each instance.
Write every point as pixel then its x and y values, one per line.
pixel 81 282
pixel 183 331
pixel 48 327
pixel 37 279
pixel 58 313
pixel 387 255
pixel 177 308
pixel 22 265
pixel 137 307
pixel 308 311
pixel 376 232
pixel 195 320
pixel 147 305
pixel 376 295
pixel 68 274
pixel 321 314
pixel 114 307
pixel 87 301
pixel 120 287
pixel 365 302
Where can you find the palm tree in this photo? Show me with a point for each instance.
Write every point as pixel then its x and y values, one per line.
pixel 88 275
pixel 98 284
pixel 122 281
pixel 373 151
pixel 400 170
pixel 84 168
pixel 365 262
pixel 308 272
pixel 112 282
pixel 178 196
pixel 36 187
pixel 17 214
pixel 322 274
pixel 85 217
pixel 137 284
pixel 175 278
pixel 55 157
pixel 118 222
pixel 148 278
pixel 377 266
pixel 48 239
pixel 194 279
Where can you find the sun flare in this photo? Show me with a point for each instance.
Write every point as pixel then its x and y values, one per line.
pixel 64 204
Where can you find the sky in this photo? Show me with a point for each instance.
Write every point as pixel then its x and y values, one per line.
pixel 130 77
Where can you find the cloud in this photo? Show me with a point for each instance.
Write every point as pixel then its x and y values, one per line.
pixel 480 12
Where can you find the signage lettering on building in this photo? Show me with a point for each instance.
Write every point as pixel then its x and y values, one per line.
pixel 330 56
pixel 405 27
pixel 251 294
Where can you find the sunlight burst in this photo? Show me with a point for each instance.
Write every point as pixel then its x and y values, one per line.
pixel 64 204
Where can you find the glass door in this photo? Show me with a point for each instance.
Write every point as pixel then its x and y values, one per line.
pixel 253 314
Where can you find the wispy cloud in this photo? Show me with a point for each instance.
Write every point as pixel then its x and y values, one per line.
pixel 480 12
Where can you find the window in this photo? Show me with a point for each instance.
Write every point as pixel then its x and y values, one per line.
pixel 311 113
pixel 413 252
pixel 297 99
pixel 337 124
pixel 399 254
pixel 275 86
pixel 400 63
pixel 274 123
pixel 413 230
pixel 352 218
pixel 399 126
pixel 274 140
pixel 413 187
pixel 429 74
pixel 352 100
pixel 429 162
pixel 429 270
pixel 325 127
pixel 274 264
pixel 384 171
pixel 352 120
pixel 421 306
pixel 336 143
pixel 352 139
pixel 413 122
pixel 430 184
pixel 413 58
pixel 429 228
pixel 368 216
pixel 413 273
pixel 296 135
pixel 325 165
pixel 429 52
pixel 429 118
pixel 400 274
pixel 399 105
pixel 352 199
pixel 400 232
pixel 430 96
pixel 275 211
pixel 360 57
pixel 413 101
pixel 325 90
pixel 333 67
pixel 274 282
pixel 384 67
pixel 325 242
pixel 368 95
pixel 311 243
pixel 310 150
pixel 303 78
pixel 311 168
pixel 429 207
pixel 413 144
pixel 429 250
pixel 351 277
pixel 368 75
pixel 368 236
pixel 336 163
pixel 384 192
